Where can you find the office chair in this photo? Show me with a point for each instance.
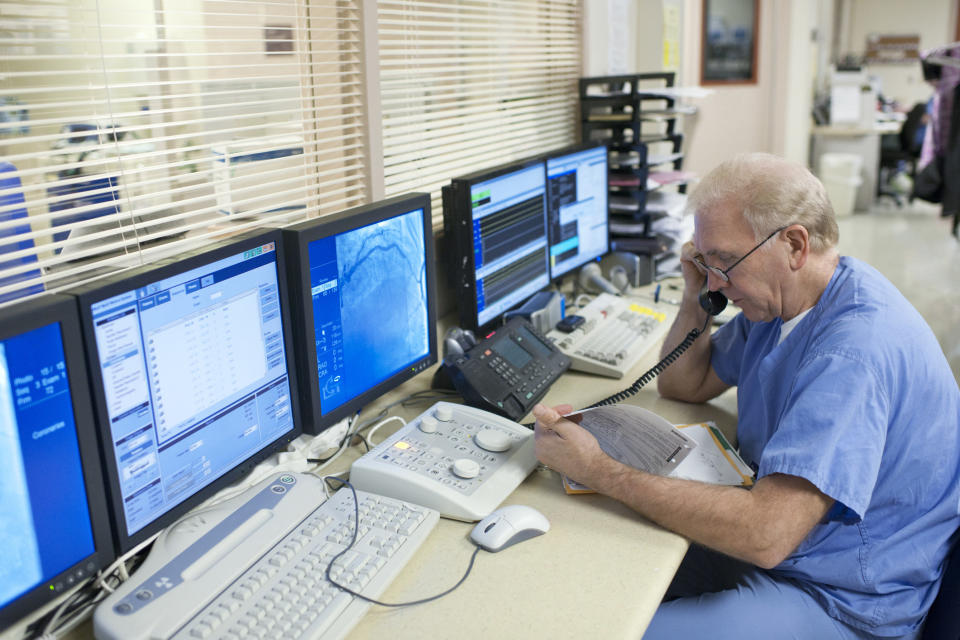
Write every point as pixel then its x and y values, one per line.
pixel 899 151
pixel 943 622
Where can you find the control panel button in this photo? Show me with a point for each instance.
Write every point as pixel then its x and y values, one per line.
pixel 492 440
pixel 428 424
pixel 466 468
pixel 444 413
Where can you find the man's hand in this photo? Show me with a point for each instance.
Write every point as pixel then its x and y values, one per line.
pixel 762 526
pixel 693 277
pixel 566 447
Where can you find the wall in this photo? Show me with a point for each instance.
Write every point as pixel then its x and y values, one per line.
pixel 933 20
pixel 772 115
pixel 731 119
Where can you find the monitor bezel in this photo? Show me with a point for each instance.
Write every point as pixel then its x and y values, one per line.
pixel 28 315
pixel 298 237
pixel 128 281
pixel 567 151
pixel 461 220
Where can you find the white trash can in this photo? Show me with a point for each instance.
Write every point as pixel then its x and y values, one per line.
pixel 842 193
pixel 840 174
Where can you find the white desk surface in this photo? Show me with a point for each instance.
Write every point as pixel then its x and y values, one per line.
pixel 601 570
pixel 841 130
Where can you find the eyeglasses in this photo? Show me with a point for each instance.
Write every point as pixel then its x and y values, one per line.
pixel 723 273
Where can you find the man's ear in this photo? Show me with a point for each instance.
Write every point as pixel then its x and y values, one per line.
pixel 799 242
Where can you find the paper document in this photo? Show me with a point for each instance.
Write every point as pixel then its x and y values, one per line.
pixel 636 437
pixel 643 440
pixel 713 460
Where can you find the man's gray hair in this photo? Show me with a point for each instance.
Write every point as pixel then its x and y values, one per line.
pixel 772 192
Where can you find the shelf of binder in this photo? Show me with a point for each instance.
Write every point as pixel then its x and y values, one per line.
pixel 646 181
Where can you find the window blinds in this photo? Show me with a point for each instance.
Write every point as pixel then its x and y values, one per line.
pixel 133 127
pixel 471 84
pixel 130 129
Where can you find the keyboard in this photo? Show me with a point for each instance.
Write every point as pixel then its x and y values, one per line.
pixel 256 567
pixel 616 334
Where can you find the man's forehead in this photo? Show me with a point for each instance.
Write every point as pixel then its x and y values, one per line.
pixel 717 234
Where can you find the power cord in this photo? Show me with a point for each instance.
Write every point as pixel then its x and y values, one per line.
pixel 345 441
pixel 353 541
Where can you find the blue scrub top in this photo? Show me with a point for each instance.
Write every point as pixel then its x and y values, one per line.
pixel 859 400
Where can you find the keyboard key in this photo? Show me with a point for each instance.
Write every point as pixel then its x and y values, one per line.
pixel 286 594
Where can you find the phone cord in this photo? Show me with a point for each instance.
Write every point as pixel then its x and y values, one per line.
pixel 654 371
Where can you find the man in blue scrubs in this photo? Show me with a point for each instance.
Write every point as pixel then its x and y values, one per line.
pixel 848 411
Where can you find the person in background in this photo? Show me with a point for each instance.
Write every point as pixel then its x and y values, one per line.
pixel 848 412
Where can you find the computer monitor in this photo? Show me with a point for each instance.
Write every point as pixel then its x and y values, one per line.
pixel 365 304
pixel 577 220
pixel 192 377
pixel 495 225
pixel 55 531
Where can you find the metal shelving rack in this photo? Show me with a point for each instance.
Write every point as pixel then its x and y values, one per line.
pixel 639 126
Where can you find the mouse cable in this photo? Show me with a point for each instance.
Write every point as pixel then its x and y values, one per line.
pixel 654 371
pixel 353 541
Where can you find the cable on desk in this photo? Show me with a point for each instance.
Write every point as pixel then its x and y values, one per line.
pixel 578 304
pixel 345 441
pixel 417 397
pixel 353 541
pixel 93 591
pixel 375 427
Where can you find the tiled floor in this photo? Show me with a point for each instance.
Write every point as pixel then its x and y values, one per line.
pixel 913 247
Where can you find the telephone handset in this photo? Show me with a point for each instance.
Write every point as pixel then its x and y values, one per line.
pixel 713 302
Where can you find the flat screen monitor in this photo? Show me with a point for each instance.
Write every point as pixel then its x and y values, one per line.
pixel 54 531
pixel 577 220
pixel 365 300
pixel 495 224
pixel 192 377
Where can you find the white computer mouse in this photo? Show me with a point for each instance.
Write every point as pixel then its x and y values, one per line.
pixel 507 526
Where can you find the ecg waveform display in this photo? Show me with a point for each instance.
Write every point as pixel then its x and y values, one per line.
pixel 504 232
pixel 503 282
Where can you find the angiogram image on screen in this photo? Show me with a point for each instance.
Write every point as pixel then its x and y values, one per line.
pixel 369 293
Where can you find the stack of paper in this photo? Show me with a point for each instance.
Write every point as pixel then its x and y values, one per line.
pixel 713 460
pixel 643 440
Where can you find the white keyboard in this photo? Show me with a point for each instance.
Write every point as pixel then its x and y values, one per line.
pixel 616 334
pixel 269 581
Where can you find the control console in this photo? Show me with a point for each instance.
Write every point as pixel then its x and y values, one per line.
pixel 461 461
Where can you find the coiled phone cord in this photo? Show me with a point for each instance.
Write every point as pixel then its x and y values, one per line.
pixel 655 370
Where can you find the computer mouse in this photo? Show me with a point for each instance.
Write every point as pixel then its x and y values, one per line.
pixel 507 526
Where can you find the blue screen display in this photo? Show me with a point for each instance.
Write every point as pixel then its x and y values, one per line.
pixel 195 378
pixel 509 240
pixel 45 527
pixel 577 208
pixel 369 292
